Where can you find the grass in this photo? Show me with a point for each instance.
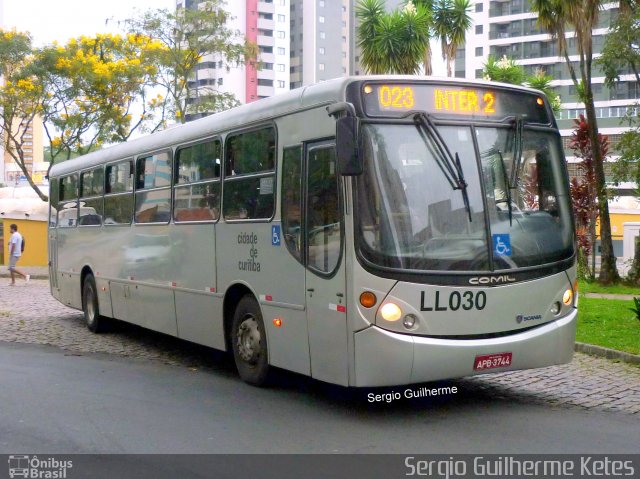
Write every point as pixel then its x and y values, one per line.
pixel 595 287
pixel 609 323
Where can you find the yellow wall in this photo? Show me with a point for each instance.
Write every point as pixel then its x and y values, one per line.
pixel 35 235
pixel 617 224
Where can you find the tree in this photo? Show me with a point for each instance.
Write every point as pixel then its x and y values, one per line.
pixel 393 42
pixel 451 20
pixel 507 70
pixel 187 35
pixel 94 85
pixel 584 194
pixel 20 97
pixel 581 16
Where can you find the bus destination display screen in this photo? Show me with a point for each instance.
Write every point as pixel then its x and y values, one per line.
pixel 398 100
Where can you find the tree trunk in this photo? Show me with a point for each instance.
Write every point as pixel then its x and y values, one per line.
pixel 608 270
pixel 428 69
pixel 634 272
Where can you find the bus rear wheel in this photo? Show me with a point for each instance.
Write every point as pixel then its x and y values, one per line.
pixel 94 321
pixel 249 342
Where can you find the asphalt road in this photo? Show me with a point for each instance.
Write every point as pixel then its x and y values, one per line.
pixel 67 402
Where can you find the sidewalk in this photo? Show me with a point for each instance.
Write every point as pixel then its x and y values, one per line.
pixel 610 296
pixel 36 272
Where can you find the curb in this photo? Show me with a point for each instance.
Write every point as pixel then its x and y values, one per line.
pixel 607 353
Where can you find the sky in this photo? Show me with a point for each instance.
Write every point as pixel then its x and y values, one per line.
pixel 59 20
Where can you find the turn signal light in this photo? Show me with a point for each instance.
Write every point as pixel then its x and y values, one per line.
pixel 277 322
pixel 368 299
pixel 567 297
pixel 391 312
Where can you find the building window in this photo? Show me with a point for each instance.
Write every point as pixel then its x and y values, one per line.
pixel 479 7
pixel 321 19
pixel 280 34
pixel 322 35
pixel 321 67
pixel 280 67
pixel 281 51
pixel 479 51
pixel 321 50
pixel 478 29
pixel 220 81
pixel 282 18
pixel 281 84
pixel 321 3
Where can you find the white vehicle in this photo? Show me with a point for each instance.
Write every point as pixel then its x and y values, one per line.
pixel 364 231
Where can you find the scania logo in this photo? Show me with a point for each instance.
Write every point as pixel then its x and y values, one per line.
pixel 504 278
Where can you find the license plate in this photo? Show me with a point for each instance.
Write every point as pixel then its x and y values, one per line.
pixel 491 361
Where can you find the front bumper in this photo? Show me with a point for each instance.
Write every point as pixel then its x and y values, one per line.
pixel 383 358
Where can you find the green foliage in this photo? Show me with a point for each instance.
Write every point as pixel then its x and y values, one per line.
pixel 608 323
pixel 621 48
pixel 451 20
pixel 21 95
pixel 507 70
pixel 636 308
pixel 187 35
pixel 393 42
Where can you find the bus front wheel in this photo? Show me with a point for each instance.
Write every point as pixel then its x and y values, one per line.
pixel 95 322
pixel 249 342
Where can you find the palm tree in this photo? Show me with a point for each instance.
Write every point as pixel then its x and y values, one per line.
pixel 392 42
pixel 428 6
pixel 581 16
pixel 451 20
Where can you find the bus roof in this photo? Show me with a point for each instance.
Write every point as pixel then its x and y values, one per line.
pixel 326 92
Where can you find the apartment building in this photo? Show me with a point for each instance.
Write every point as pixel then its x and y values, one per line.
pixel 32 147
pixel 266 23
pixel 509 27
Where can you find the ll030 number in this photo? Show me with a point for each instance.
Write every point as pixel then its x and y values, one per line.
pixel 396 97
pixel 465 300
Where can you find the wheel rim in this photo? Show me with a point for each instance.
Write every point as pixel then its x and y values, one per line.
pixel 248 340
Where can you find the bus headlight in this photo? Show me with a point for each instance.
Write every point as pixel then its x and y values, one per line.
pixel 391 312
pixel 567 297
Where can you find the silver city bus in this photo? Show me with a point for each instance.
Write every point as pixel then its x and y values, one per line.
pixel 364 231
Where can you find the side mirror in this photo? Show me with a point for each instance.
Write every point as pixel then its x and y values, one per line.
pixel 347 140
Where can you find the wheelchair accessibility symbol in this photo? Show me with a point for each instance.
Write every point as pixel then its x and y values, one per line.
pixel 501 245
pixel 275 235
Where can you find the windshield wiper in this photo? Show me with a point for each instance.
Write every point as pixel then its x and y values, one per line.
pixel 517 152
pixel 448 164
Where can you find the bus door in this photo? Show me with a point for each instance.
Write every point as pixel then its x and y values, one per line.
pixel 325 272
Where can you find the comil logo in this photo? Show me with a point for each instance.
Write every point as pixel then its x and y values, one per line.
pixel 38 468
pixel 505 278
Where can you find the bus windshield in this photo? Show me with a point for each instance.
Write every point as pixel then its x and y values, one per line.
pixel 410 218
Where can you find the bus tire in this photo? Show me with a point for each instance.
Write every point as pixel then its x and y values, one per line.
pixel 94 321
pixel 249 342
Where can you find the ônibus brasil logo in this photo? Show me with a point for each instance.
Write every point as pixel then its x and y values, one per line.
pixel 37 468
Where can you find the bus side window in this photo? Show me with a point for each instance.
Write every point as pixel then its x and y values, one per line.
pixel 91 204
pixel 197 182
pixel 249 184
pixel 68 206
pixel 153 188
pixel 292 200
pixel 118 199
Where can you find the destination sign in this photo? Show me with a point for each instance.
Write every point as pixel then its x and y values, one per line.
pixel 398 100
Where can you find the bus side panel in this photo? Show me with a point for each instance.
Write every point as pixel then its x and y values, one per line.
pixel 198 311
pixel 69 268
pixel 247 254
pixel 152 307
pixel 200 319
